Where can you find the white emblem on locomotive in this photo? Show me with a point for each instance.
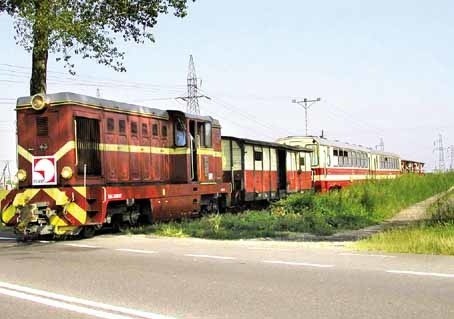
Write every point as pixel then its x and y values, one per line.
pixel 44 170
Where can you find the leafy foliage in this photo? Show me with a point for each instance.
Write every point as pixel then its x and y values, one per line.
pixel 88 28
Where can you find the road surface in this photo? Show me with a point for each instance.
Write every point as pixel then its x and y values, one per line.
pixel 149 277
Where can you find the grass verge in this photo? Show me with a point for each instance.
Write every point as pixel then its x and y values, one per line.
pixel 435 236
pixel 432 239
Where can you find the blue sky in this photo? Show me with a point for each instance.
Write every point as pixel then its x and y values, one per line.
pixel 382 68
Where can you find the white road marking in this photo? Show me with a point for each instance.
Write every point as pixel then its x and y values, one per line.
pixel 367 255
pixel 291 263
pixel 268 248
pixel 209 256
pixel 137 251
pixel 419 273
pixel 7 238
pixel 82 246
pixel 42 296
pixel 62 305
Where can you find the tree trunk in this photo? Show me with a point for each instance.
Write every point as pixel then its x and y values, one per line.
pixel 38 81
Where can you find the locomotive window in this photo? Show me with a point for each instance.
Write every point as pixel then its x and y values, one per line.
pixel 258 156
pixel 207 134
pixel 335 152
pixel 164 131
pixel 144 129
pixel 110 125
pixel 180 133
pixel 122 127
pixel 201 134
pixel 134 129
pixel 42 126
pixel 155 130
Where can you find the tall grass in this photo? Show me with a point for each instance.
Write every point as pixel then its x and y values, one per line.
pixel 351 208
pixel 425 238
pixel 435 236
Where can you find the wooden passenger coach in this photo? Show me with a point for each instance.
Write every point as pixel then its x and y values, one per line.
pixel 87 162
pixel 261 170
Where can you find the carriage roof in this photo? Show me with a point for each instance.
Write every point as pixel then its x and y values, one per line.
pixel 338 144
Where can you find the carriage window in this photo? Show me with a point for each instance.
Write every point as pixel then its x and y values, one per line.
pixel 335 152
pixel 42 126
pixel 314 154
pixel 122 127
pixel 134 129
pixel 144 130
pixel 347 160
pixel 302 161
pixel 258 156
pixel 155 130
pixel 110 125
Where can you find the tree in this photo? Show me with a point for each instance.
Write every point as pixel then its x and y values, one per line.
pixel 88 28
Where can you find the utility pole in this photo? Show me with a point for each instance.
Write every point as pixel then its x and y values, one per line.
pixel 306 104
pixel 438 147
pixel 192 99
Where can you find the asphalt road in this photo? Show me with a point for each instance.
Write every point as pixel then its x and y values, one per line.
pixel 145 277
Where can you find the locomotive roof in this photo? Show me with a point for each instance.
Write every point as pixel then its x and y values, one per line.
pixel 336 143
pixel 272 144
pixel 90 101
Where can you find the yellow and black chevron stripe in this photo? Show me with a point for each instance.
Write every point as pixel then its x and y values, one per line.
pixel 73 211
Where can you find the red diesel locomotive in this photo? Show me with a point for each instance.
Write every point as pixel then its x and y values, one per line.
pixel 86 162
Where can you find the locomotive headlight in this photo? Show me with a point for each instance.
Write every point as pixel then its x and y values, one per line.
pixel 21 175
pixel 67 172
pixel 38 102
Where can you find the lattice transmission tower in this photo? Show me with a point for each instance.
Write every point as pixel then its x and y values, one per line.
pixel 450 151
pixel 438 148
pixel 192 98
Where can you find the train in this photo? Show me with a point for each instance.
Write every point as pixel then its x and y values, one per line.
pixel 85 163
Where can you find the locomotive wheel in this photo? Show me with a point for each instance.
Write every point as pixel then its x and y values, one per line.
pixel 87 232
pixel 120 226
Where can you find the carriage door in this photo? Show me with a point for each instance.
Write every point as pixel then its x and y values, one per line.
pixel 282 171
pixel 193 150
